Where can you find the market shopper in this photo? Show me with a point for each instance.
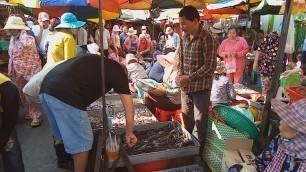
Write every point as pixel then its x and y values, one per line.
pixel 217 32
pixel 131 41
pixel 196 66
pixel 106 38
pixel 265 63
pixel 233 51
pixel 144 33
pixel 144 46
pixel 287 152
pixel 41 33
pixel 24 62
pixel 115 39
pixel 167 95
pixel 65 106
pixel 123 35
pixel 172 40
pixel 62 46
pixel 10 151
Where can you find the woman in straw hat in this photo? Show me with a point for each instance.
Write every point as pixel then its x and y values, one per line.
pixel 63 45
pixel 24 62
pixel 166 96
pixel 222 90
pixel 287 152
pixel 131 41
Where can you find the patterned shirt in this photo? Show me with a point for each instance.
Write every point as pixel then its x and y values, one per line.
pixel 270 47
pixel 198 60
pixel 222 90
pixel 24 59
pixel 274 159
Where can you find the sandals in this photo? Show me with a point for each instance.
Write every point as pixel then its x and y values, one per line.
pixel 35 123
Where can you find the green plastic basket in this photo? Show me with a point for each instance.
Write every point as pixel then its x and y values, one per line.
pixel 214 147
pixel 213 156
pixel 237 120
pixel 292 80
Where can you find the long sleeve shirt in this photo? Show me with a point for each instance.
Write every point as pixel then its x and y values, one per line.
pixel 198 60
pixel 173 41
pixel 222 90
pixel 239 46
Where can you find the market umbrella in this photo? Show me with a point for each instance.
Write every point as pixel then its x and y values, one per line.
pixel 162 4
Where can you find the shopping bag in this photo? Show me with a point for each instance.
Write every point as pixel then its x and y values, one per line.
pixel 230 66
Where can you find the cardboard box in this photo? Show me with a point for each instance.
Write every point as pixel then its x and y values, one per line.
pixel 237 151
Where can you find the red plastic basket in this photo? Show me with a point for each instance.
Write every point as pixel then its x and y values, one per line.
pixel 296 93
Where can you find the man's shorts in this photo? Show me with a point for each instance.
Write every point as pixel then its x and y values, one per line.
pixel 68 124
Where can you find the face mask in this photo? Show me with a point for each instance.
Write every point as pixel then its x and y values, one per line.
pixel 17 36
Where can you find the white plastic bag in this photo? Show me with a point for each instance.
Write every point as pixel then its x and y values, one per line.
pixel 230 66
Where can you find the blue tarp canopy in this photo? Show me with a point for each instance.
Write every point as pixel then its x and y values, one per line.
pixel 63 2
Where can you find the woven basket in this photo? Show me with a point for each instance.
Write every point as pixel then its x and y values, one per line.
pixel 214 148
pixel 236 120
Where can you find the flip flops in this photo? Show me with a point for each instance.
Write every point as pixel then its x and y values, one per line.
pixel 35 123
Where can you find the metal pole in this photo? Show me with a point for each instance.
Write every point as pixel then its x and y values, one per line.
pixel 102 135
pixel 277 71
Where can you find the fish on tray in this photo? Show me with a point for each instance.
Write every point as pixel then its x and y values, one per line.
pixel 154 140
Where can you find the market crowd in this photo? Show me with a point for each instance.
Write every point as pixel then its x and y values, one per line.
pixel 54 69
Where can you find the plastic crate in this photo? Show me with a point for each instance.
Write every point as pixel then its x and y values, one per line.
pixel 292 80
pixel 296 93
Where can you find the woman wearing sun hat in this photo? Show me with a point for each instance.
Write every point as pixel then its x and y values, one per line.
pixel 63 44
pixel 287 152
pixel 131 41
pixel 24 62
pixel 166 96
pixel 115 39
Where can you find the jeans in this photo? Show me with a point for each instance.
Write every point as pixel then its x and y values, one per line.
pixel 195 113
pixel 12 159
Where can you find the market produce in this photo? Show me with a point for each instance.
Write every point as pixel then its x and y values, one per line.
pixel 142 116
pixel 154 140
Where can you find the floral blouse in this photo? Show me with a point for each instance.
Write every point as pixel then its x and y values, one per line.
pixel 270 47
pixel 24 59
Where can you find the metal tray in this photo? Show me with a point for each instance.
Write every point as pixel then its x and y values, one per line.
pixel 146 85
pixel 193 168
pixel 161 155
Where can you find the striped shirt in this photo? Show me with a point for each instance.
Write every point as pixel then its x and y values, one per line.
pixel 198 60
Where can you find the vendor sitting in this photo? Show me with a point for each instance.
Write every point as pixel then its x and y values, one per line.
pixel 135 71
pixel 288 151
pixel 167 95
pixel 222 91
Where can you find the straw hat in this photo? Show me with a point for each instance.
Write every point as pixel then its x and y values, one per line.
pixel 169 58
pixel 217 28
pixel 14 22
pixel 69 21
pixel 116 28
pixel 130 57
pixel 131 31
pixel 168 30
